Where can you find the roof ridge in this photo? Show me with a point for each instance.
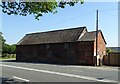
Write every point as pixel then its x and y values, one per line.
pixel 56 36
pixel 57 30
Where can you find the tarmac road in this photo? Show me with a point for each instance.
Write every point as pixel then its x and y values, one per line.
pixel 36 72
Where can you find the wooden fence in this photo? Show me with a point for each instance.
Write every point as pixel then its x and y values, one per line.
pixel 112 59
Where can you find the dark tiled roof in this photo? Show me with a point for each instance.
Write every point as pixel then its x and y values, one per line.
pixel 89 36
pixel 57 36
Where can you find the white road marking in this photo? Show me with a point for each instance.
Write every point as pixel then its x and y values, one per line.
pixel 21 78
pixel 97 68
pixel 59 73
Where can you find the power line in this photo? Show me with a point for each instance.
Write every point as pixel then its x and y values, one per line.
pixel 110 14
pixel 82 15
pixel 105 10
pixel 66 20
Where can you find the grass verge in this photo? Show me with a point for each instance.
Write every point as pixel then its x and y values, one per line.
pixel 4 58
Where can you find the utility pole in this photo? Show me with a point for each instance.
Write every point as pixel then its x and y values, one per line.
pixel 96 39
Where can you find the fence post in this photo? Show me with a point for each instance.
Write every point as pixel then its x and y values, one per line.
pixel 108 58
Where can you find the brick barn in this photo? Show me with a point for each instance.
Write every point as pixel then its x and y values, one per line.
pixel 67 46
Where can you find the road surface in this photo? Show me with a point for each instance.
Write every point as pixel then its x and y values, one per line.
pixel 36 72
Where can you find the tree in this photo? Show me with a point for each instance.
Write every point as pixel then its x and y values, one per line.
pixel 3 40
pixel 12 49
pixel 35 8
pixel 108 51
pixel 7 49
pixel 0 44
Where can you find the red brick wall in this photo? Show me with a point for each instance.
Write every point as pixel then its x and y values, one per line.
pixel 66 53
pixel 101 47
pixel 85 52
pixel 56 53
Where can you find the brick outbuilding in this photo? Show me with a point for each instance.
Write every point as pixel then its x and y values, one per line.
pixel 68 46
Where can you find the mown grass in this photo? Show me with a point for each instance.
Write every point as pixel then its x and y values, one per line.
pixel 8 57
pixel 4 58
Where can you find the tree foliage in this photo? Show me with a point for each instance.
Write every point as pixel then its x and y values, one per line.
pixel 3 40
pixel 8 49
pixel 35 8
pixel 108 51
pixel 12 49
pixel 5 48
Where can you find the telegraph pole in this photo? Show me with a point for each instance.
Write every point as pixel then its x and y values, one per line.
pixel 96 38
